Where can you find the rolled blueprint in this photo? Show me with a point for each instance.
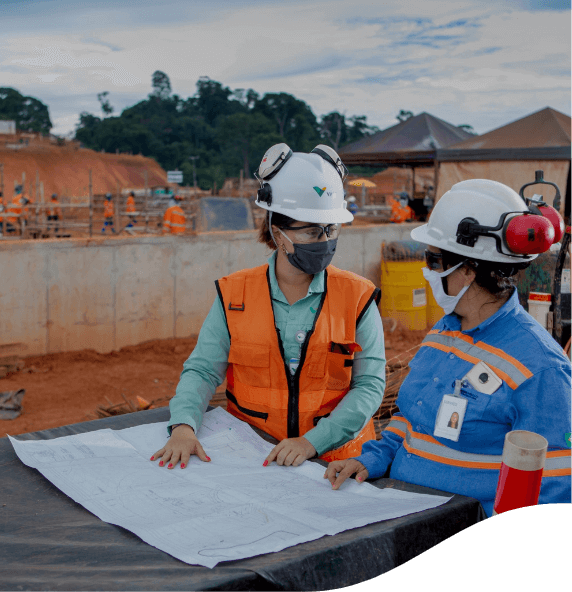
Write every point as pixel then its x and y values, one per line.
pixel 521 471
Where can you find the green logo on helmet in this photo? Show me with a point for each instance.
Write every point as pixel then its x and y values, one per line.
pixel 319 191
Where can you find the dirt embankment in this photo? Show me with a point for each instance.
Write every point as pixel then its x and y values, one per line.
pixel 67 388
pixel 65 169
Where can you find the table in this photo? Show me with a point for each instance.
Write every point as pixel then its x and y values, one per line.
pixel 49 542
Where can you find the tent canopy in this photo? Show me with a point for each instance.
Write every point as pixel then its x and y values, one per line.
pixel 544 134
pixel 411 142
pixel 511 154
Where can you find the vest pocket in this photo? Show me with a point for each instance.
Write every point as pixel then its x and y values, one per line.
pixel 250 363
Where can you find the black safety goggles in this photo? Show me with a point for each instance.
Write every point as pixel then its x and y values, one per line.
pixel 433 260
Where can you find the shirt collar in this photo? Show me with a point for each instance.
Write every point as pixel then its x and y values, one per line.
pixel 316 286
pixel 452 322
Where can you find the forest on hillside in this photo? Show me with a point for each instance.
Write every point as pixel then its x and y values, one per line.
pixel 219 130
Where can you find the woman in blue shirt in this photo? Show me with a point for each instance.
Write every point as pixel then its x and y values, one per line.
pixel 487 359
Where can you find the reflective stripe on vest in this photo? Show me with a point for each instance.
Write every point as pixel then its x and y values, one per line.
pixel 508 368
pixel 557 462
pixel 261 389
pixel 175 220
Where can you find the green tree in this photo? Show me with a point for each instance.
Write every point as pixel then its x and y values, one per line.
pixel 30 114
pixel 104 102
pixel 244 137
pixel 404 115
pixel 294 119
pixel 161 84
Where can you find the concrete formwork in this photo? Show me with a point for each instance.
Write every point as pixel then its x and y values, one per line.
pixel 106 293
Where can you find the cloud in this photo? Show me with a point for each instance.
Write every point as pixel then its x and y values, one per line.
pixel 472 61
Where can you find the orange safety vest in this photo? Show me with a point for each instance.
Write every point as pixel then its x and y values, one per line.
pixel 399 213
pixel 54 210
pixel 14 208
pixel 174 220
pixel 130 205
pixel 108 209
pixel 260 388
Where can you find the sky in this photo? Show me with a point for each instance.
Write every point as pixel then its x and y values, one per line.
pixel 483 63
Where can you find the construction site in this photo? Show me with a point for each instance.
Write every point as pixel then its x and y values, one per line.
pixel 86 312
pixel 109 268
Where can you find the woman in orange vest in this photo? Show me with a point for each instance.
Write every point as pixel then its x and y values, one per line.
pixel 299 341
pixel 174 221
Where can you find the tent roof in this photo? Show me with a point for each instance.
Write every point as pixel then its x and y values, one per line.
pixel 544 134
pixel 414 140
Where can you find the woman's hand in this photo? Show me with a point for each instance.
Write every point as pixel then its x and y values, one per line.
pixel 291 452
pixel 346 468
pixel 181 445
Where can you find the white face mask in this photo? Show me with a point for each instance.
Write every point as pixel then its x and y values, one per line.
pixel 446 302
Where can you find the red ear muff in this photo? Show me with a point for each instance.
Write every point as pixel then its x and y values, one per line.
pixel 555 219
pixel 529 234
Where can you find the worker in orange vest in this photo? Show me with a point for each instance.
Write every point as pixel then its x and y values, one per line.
pixel 174 221
pixel 108 212
pixel 400 210
pixel 299 341
pixel 130 209
pixel 14 210
pixel 54 212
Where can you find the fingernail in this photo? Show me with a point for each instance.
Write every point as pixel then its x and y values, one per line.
pixel 265 463
pixel 208 458
pixel 161 464
pixel 152 458
pixel 358 478
pixel 170 466
pixel 182 465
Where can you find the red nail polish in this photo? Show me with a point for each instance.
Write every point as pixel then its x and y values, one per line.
pixel 161 464
pixel 265 463
pixel 208 458
pixel 170 466
pixel 152 458
pixel 182 465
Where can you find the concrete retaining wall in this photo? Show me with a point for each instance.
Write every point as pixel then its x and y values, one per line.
pixel 106 293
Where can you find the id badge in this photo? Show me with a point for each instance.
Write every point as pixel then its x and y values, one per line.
pixel 450 417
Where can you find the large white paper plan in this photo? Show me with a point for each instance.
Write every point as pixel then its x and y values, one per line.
pixel 230 508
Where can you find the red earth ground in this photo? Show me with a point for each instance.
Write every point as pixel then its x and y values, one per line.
pixel 68 387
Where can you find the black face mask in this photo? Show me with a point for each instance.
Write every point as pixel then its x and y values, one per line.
pixel 312 258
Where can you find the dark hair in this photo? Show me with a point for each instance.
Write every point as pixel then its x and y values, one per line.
pixel 496 278
pixel 279 220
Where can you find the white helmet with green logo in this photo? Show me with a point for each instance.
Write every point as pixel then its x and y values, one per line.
pixel 305 187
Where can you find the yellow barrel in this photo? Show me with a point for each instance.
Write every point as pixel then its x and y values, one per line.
pixel 404 293
pixel 434 311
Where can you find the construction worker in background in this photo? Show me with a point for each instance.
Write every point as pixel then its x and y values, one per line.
pixel 130 209
pixel 299 341
pixel 14 211
pixel 54 213
pixel 352 206
pixel 174 221
pixel 108 212
pixel 400 210
pixel 487 359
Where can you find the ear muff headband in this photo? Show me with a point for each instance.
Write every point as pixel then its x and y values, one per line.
pixel 524 234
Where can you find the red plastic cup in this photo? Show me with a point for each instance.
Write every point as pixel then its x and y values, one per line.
pixel 520 476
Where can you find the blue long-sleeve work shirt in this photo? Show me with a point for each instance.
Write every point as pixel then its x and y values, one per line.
pixel 206 367
pixel 534 396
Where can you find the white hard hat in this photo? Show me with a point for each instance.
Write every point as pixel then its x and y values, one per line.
pixel 351 199
pixel 478 202
pixel 305 187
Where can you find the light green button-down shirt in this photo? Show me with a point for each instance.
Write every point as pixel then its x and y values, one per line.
pixel 206 367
